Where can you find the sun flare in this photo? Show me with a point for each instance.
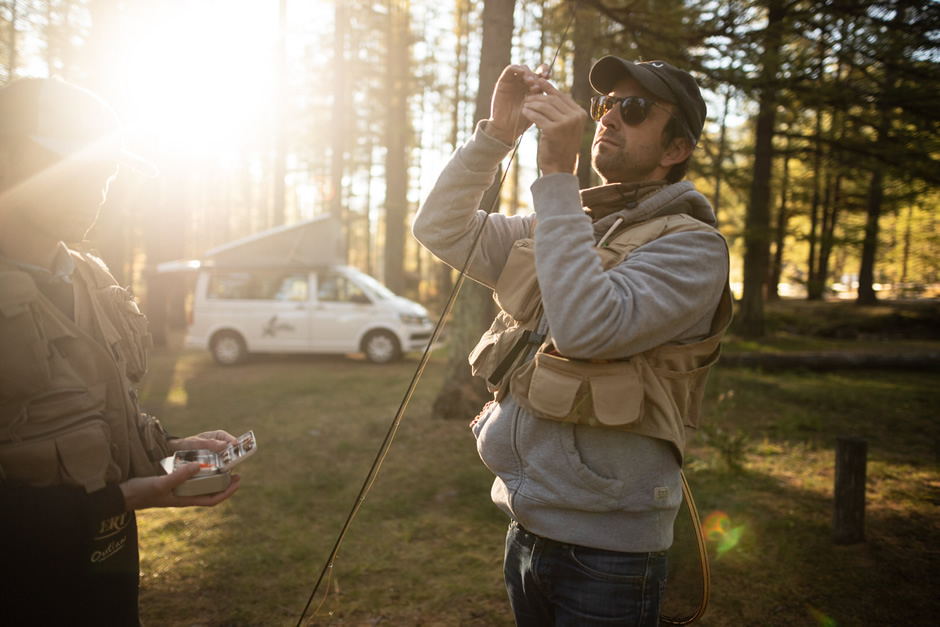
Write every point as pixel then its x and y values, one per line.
pixel 200 75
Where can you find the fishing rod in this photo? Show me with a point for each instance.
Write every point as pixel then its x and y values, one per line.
pixel 545 71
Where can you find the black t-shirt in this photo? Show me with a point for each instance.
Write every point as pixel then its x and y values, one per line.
pixel 67 557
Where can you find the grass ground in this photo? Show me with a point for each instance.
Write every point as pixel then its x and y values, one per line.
pixel 426 545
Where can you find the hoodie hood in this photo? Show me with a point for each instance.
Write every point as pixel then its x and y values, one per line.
pixel 634 203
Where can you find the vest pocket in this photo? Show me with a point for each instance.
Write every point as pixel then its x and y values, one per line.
pixel 682 380
pixel 24 362
pixel 552 391
pixel 598 394
pixel 494 346
pixel 80 456
pixel 618 395
pixel 132 336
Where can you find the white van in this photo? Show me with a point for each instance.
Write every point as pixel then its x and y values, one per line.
pixel 263 295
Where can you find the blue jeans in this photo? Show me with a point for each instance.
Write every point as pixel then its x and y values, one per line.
pixel 551 583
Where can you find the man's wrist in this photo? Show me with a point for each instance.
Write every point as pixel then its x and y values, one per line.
pixel 491 128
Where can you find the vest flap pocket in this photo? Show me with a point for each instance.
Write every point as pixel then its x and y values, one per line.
pixel 553 391
pixel 17 290
pixel 24 349
pixel 80 457
pixel 128 331
pixel 618 397
pixel 33 464
pixel 493 347
pixel 86 455
pixel 61 408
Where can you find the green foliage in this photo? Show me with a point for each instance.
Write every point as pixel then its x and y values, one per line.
pixel 731 446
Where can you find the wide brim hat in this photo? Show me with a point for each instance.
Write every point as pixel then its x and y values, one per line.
pixel 68 121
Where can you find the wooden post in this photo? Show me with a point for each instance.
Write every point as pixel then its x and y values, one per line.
pixel 848 519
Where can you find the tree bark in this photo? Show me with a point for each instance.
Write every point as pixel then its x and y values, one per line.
pixel 396 160
pixel 278 215
pixel 757 221
pixel 462 394
pixel 866 272
pixel 776 267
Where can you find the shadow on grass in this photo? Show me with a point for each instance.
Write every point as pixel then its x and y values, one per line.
pixel 426 546
pixel 774 562
pixel 779 564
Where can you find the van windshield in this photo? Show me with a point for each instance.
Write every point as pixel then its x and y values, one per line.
pixel 373 284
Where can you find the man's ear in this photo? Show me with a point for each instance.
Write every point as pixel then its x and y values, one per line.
pixel 677 152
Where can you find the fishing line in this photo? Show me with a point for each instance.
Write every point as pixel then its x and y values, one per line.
pixel 327 570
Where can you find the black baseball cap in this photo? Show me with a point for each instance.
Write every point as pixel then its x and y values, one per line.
pixel 68 121
pixel 659 78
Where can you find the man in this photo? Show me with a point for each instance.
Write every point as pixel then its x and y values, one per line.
pixel 77 457
pixel 613 301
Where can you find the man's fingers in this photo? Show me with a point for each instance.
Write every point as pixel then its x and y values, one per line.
pixel 210 500
pixel 548 109
pixel 182 474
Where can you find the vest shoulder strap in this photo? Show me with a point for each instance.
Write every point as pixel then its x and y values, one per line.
pixel 628 239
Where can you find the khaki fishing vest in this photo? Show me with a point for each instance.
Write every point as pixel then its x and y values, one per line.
pixel 656 393
pixel 68 410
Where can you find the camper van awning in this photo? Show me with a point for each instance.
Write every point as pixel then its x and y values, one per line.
pixel 315 242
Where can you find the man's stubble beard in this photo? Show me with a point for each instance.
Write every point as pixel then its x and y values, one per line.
pixel 620 167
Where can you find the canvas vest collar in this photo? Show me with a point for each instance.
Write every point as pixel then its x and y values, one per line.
pixel 603 200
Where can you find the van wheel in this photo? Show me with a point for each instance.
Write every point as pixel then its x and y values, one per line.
pixel 381 347
pixel 228 348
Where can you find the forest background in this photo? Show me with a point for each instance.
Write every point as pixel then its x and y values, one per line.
pixel 820 151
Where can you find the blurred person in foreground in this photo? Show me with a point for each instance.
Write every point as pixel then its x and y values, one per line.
pixel 613 301
pixel 77 456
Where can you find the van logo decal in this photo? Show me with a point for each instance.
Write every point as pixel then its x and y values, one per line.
pixel 273 326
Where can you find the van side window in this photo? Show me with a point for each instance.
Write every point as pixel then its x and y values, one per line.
pixel 334 288
pixel 257 285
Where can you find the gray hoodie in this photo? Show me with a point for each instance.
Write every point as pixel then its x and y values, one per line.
pixel 578 484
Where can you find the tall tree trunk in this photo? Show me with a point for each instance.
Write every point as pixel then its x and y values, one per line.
pixel 396 156
pixel 828 235
pixel 720 159
pixel 445 276
pixel 278 216
pixel 866 272
pixel 581 90
pixel 757 221
pixel 338 126
pixel 813 285
pixel 462 394
pixel 776 267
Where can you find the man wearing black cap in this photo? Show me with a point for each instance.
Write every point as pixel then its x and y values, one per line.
pixel 77 457
pixel 612 302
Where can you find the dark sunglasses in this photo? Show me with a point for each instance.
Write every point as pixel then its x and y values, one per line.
pixel 633 109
